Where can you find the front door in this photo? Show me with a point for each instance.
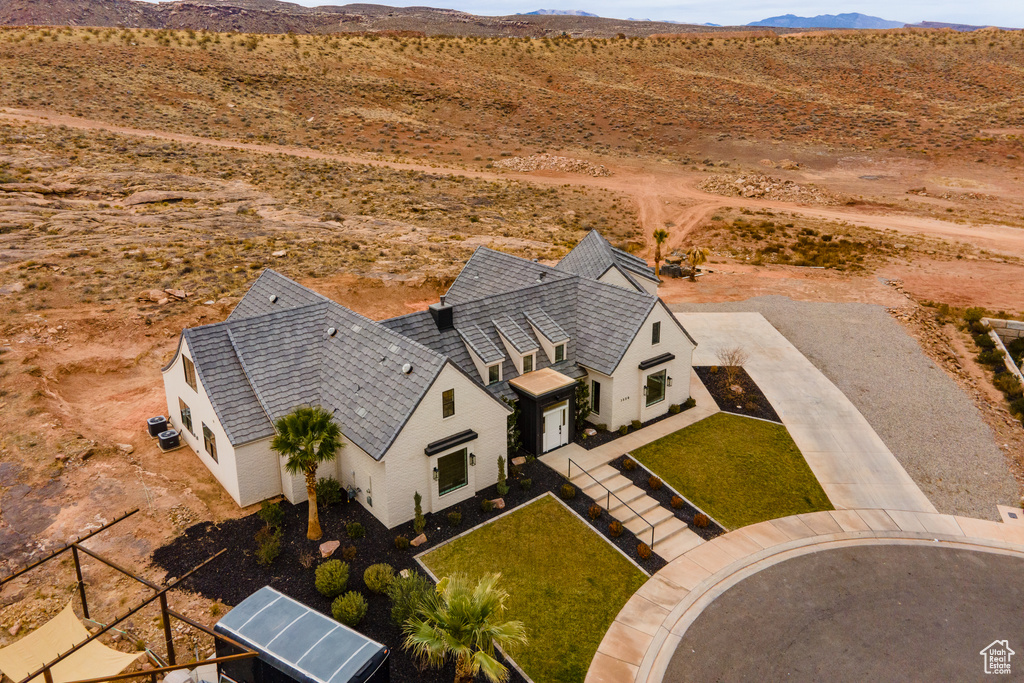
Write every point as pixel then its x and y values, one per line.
pixel 555 426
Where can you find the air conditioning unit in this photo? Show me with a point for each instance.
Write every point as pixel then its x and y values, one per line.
pixel 156 425
pixel 169 439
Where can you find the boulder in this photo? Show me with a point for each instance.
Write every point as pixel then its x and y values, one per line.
pixel 327 549
pixel 152 295
pixel 519 461
pixel 418 541
pixel 126 448
pixel 176 293
pixel 499 503
pixel 13 630
pixel 279 254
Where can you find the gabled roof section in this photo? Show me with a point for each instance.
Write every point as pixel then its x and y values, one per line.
pixel 594 255
pixel 546 326
pixel 602 343
pixel 490 272
pixel 271 284
pixel 520 339
pixel 480 343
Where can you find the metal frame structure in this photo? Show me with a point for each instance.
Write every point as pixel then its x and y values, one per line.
pixel 160 594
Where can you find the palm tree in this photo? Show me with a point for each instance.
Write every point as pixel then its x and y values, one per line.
pixel 660 235
pixel 696 256
pixel 464 621
pixel 308 436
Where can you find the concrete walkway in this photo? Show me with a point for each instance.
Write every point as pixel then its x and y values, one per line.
pixel 851 462
pixel 640 644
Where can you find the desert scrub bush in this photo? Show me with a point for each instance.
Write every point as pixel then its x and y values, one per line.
pixel 328 491
pixel 454 518
pixel 983 341
pixel 655 483
pixel 628 464
pixel 355 530
pixel 1008 384
pixel 378 577
pixel 331 578
pixel 615 528
pixel 700 520
pixel 407 593
pixel 271 513
pixel 677 503
pixel 525 484
pixel 992 357
pixel 268 545
pixel 401 542
pixel 349 608
pixel 643 551
pixel 594 511
pixel 973 315
pixel 567 492
pixel 486 505
pixel 348 553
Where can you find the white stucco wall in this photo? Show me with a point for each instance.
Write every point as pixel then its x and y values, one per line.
pixel 410 470
pixel 614 276
pixel 602 414
pixel 650 286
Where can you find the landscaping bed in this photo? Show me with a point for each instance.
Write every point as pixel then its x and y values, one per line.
pixel 236 574
pixel 604 436
pixel 641 477
pixel 740 471
pixel 565 584
pixel 738 395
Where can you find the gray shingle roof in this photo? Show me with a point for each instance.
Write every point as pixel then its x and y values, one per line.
pixel 492 272
pixel 593 256
pixel 521 340
pixel 481 344
pixel 545 325
pixel 270 283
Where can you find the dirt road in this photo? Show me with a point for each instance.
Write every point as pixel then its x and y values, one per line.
pixel 662 194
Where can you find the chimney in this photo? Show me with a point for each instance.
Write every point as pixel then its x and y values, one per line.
pixel 442 315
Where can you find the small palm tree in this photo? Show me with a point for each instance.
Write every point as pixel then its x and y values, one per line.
pixel 308 436
pixel 697 256
pixel 464 621
pixel 660 235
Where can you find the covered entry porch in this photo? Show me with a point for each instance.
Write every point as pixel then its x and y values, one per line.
pixel 547 401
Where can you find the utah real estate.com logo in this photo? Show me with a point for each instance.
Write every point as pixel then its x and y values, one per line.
pixel 997 657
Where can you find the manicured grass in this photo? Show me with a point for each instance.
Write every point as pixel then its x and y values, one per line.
pixel 738 470
pixel 565 583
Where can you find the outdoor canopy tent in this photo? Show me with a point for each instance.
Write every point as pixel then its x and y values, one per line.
pixel 297 643
pixel 58 635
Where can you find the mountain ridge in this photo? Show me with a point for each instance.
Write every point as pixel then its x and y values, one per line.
pixel 848 20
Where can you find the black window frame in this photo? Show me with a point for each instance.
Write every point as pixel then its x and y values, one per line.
pixel 664 388
pixel 595 396
pixel 190 372
pixel 656 333
pixel 530 358
pixel 458 483
pixel 559 352
pixel 447 403
pixel 493 374
pixel 186 416
pixel 210 442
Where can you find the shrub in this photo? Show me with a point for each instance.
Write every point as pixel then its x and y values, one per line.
pixel 983 341
pixel 268 540
pixel 655 483
pixel 486 505
pixel 454 518
pixel 677 503
pixel 993 357
pixel 628 464
pixel 525 484
pixel 502 483
pixel 615 528
pixel 378 577
pixel 271 513
pixel 713 369
pixel 1017 406
pixel 349 608
pixel 402 542
pixel 643 550
pixel 978 328
pixel 700 520
pixel 974 314
pixel 750 405
pixel 419 522
pixel 1008 384
pixel 331 578
pixel 635 424
pixel 624 429
pixel 594 511
pixel 675 409
pixel 513 471
pixel 602 427
pixel 307 559
pixel 568 491
pixel 348 553
pixel 328 491
pixel 407 593
pixel 355 530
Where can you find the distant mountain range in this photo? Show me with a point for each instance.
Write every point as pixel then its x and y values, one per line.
pixel 559 12
pixel 850 20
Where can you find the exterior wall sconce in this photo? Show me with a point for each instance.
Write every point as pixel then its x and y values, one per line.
pixel 472 459
pixel 435 474
pixel 645 391
pixel 670 381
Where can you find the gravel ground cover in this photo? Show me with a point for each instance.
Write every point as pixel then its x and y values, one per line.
pixel 925 419
pixel 750 401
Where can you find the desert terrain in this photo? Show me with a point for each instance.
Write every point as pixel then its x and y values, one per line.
pixel 148 175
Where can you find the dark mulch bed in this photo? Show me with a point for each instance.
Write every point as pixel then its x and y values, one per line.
pixel 750 401
pixel 640 476
pixel 604 436
pixel 236 574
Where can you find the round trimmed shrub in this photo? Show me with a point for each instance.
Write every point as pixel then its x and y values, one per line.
pixel 643 550
pixel 486 505
pixel 677 503
pixel 454 518
pixel 623 430
pixel 615 528
pixel 568 491
pixel 635 424
pixel 594 511
pixel 700 520
pixel 655 483
pixel 402 542
pixel 331 578
pixel 378 577
pixel 355 530
pixel 525 484
pixel 349 608
pixel 628 464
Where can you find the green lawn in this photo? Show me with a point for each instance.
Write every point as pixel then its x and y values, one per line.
pixel 565 583
pixel 738 470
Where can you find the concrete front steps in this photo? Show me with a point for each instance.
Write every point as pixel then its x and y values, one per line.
pixel 672 537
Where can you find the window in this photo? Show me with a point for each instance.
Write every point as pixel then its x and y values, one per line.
pixel 595 396
pixel 493 374
pixel 656 333
pixel 655 389
pixel 186 417
pixel 452 472
pixel 527 364
pixel 560 353
pixel 210 442
pixel 190 372
pixel 448 403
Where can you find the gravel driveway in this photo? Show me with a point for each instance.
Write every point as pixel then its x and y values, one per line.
pixel 929 424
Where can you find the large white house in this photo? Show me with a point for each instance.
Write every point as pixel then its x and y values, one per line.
pixel 422 399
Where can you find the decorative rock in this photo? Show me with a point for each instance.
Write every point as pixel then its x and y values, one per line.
pixel 590 431
pixel 499 503
pixel 327 549
pixel 404 573
pixel 418 541
pixel 519 461
pixel 13 630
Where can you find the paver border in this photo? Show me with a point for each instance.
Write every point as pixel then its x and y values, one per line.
pixel 634 651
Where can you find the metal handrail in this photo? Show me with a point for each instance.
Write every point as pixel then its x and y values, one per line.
pixel 608 497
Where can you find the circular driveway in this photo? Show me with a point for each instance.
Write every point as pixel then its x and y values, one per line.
pixel 860 613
